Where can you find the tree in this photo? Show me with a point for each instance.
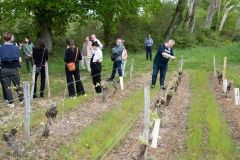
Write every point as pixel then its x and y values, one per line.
pixel 189 22
pixel 211 9
pixel 47 15
pixel 227 9
pixel 176 19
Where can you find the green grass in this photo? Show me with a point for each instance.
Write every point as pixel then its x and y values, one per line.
pixel 209 136
pixel 97 135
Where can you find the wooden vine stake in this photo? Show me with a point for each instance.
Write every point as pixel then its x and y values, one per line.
pixel 27 112
pixel 50 114
pixel 9 138
pixel 224 74
pixel 47 79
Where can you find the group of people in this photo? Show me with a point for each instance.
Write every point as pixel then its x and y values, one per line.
pixel 10 64
pixel 91 54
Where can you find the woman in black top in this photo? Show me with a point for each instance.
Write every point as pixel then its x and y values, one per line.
pixel 70 55
pixel 40 56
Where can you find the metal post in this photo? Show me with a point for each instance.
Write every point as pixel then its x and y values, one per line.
pixel 214 65
pixel 47 79
pixel 33 81
pixel 146 115
pixel 131 70
pixel 27 112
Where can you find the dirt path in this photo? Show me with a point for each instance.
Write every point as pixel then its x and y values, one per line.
pixel 228 107
pixel 173 130
pixel 71 124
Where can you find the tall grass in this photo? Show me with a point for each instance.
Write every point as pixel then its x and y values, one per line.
pixel 209 136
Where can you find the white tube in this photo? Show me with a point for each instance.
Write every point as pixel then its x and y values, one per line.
pixel 155 133
pixel 225 85
pixel 121 82
pixel 236 93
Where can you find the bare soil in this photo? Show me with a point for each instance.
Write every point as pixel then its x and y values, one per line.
pixel 172 132
pixel 69 124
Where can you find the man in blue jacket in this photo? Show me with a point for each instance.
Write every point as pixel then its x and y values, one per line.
pixel 165 52
pixel 148 42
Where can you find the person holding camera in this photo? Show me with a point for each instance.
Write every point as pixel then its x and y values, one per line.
pixel 118 49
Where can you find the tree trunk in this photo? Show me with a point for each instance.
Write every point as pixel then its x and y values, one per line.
pixel 237 28
pixel 224 17
pixel 192 22
pixel 211 9
pixel 107 35
pixel 176 18
pixel 47 35
pixel 189 14
pixel 193 16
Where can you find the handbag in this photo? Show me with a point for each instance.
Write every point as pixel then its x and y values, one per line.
pixel 114 56
pixel 71 65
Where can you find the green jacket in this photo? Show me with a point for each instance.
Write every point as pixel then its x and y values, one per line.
pixel 119 50
pixel 27 49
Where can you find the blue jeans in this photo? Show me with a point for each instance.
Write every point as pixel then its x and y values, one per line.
pixel 149 51
pixel 116 66
pixel 163 71
pixel 123 67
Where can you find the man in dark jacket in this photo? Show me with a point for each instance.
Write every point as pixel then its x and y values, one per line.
pixel 165 52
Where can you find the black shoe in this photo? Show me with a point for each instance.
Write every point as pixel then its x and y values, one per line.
pixel 109 80
pixel 163 88
pixel 41 96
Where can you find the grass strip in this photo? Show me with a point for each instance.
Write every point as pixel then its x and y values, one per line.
pixel 96 136
pixel 209 136
pixel 232 75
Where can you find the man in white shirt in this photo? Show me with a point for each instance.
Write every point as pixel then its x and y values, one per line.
pixel 94 39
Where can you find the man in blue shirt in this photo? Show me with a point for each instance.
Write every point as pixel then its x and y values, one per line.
pixel 148 42
pixel 165 52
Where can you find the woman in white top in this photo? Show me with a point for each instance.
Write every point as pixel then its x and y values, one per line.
pixel 96 67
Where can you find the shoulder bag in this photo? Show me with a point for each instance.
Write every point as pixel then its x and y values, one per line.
pixel 71 65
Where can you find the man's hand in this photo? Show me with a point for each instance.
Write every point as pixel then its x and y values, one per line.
pixel 173 57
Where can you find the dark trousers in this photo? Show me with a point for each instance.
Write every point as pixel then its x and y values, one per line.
pixel 116 66
pixel 148 52
pixel 163 71
pixel 96 76
pixel 70 82
pixel 42 85
pixel 3 90
pixel 28 65
pixel 8 75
